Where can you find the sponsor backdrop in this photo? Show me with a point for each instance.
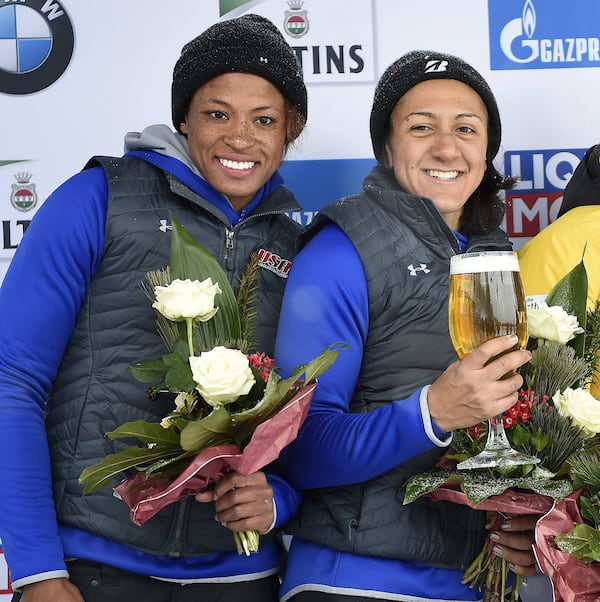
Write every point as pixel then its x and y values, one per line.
pixel 76 76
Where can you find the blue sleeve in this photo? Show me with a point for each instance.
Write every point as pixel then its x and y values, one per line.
pixel 326 301
pixel 40 299
pixel 287 499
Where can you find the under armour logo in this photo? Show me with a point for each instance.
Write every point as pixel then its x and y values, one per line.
pixel 436 66
pixel 164 225
pixel 422 267
pixel 263 59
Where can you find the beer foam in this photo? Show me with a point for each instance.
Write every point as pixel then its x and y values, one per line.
pixel 472 263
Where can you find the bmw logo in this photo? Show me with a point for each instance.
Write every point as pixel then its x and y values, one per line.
pixel 36 45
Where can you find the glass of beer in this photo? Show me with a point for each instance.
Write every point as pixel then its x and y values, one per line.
pixel 487 301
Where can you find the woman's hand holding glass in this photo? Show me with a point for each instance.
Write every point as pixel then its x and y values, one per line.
pixel 473 389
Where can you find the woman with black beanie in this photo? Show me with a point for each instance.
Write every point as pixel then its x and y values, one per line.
pixel 74 317
pixel 373 271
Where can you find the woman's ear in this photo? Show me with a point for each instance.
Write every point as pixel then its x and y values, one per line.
pixel 387 156
pixel 183 127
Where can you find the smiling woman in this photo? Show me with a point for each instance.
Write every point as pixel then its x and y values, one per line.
pixel 238 100
pixel 373 271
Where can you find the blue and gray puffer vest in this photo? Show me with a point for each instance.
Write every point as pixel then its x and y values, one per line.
pixel 94 393
pixel 405 249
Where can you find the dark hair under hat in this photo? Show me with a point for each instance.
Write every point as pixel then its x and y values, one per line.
pixel 248 44
pixel 418 66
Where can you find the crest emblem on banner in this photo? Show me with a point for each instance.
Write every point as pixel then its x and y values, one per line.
pixel 23 197
pixel 296 21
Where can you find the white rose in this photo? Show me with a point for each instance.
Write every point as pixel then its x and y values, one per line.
pixel 222 375
pixel 583 408
pixel 184 299
pixel 552 323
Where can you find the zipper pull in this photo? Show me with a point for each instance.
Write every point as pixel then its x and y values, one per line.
pixel 229 234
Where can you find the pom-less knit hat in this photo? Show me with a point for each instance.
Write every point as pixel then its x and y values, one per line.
pixel 248 44
pixel 418 66
pixel 584 186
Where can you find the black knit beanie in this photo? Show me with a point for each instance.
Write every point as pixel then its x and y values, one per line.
pixel 248 44
pixel 583 188
pixel 418 66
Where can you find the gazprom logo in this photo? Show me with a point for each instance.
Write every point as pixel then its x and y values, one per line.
pixel 546 35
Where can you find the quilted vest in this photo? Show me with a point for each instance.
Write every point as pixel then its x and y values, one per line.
pixel 405 249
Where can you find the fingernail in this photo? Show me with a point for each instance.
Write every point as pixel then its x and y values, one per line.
pixel 497 550
pixel 494 536
pixel 513 337
pixel 505 526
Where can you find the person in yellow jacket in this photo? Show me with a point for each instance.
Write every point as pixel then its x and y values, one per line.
pixel 575 235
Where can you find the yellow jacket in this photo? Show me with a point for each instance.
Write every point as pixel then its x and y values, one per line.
pixel 557 249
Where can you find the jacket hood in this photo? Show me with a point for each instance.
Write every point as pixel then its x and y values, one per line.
pixel 161 139
pixel 584 186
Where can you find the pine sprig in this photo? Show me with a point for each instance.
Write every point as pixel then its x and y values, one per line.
pixel 555 367
pixel 167 329
pixel 592 341
pixel 585 465
pixel 553 437
pixel 246 300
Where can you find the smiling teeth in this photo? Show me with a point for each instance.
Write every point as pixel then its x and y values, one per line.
pixel 443 175
pixel 236 164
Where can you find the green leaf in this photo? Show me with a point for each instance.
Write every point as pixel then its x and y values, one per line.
pixel 424 483
pixel 539 440
pixel 101 474
pixel 179 378
pixel 169 466
pixel 172 360
pixel 191 260
pixel 146 432
pixel 582 542
pixel 570 292
pixel 213 429
pixel 322 362
pixel 518 434
pixel 148 371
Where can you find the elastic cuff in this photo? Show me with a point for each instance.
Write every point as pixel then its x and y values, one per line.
pixel 19 584
pixel 274 518
pixel 428 424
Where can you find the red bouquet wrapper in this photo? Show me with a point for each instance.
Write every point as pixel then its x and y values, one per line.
pixel 572 579
pixel 146 496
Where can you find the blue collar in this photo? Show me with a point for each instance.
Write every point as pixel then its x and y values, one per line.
pixel 200 186
pixel 462 240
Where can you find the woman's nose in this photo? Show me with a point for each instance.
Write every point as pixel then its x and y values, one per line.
pixel 445 146
pixel 239 134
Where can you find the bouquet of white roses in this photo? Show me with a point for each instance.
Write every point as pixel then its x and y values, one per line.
pixel 555 419
pixel 231 410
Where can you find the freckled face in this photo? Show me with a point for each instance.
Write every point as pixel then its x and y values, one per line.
pixel 236 127
pixel 437 144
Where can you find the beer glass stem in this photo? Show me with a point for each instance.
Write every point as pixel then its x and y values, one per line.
pixel 497 451
pixel 497 439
